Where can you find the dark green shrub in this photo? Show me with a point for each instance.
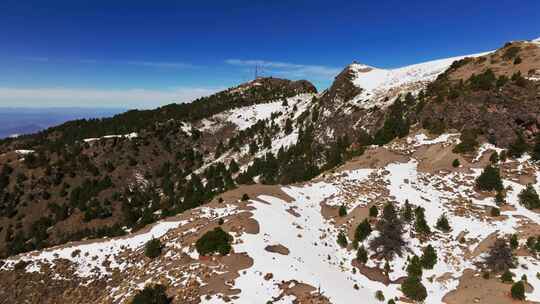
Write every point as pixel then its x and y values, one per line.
pixel 517 148
pixel 468 142
pixel 245 197
pixel 214 241
pixel 363 230
pixel 490 179
pixel 362 255
pixel 514 243
pixel 342 211
pixel 518 291
pixel 407 213
pixel 429 257
pixel 420 223
pixel 373 211
pixel 414 268
pixel 152 248
pixel 413 289
pixel 152 295
pixel 442 223
pixel 506 277
pixel 528 197
pixel 455 163
pixel 342 239
pixel 495 211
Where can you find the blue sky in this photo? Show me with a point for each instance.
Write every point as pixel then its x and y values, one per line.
pixel 142 54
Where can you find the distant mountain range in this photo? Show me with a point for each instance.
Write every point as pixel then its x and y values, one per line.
pixel 17 121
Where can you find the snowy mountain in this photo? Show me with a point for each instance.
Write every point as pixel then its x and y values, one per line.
pixel 415 184
pixel 380 84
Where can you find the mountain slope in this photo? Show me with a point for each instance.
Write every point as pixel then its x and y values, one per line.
pixel 280 181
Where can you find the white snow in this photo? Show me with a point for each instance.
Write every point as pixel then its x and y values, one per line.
pixel 128 136
pixel 24 152
pixel 245 117
pixel 376 83
pixel 89 261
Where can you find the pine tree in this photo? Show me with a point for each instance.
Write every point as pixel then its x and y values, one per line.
pixel 518 291
pixel 407 213
pixel 519 147
pixel 152 248
pixel 373 211
pixel 514 243
pixel 389 241
pixel 413 289
pixel 342 211
pixel 363 230
pixel 152 295
pixel 442 223
pixel 362 255
pixel 420 223
pixel 499 257
pixel 342 239
pixel 489 179
pixel 507 276
pixel 455 163
pixel 429 257
pixel 528 197
pixel 414 268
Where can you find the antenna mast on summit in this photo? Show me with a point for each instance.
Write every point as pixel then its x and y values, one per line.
pixel 258 71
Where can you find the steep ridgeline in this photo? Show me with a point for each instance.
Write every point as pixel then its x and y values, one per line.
pixel 416 183
pixel 94 178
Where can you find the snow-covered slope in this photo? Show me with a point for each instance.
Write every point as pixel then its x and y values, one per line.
pixel 299 219
pixel 377 84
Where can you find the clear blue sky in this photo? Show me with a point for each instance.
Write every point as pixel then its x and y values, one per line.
pixel 148 53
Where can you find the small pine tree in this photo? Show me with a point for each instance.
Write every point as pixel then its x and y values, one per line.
pixel 514 243
pixel 342 239
pixel 518 291
pixel 414 268
pixel 152 248
pixel 528 197
pixel 245 197
pixel 420 223
pixel 442 223
pixel 342 211
pixel 495 211
pixel 490 179
pixel 362 255
pixel 373 211
pixel 390 240
pixel 413 289
pixel 499 257
pixel 363 230
pixel 455 163
pixel 407 214
pixel 429 257
pixel 152 295
pixel 506 277
pixel 519 147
